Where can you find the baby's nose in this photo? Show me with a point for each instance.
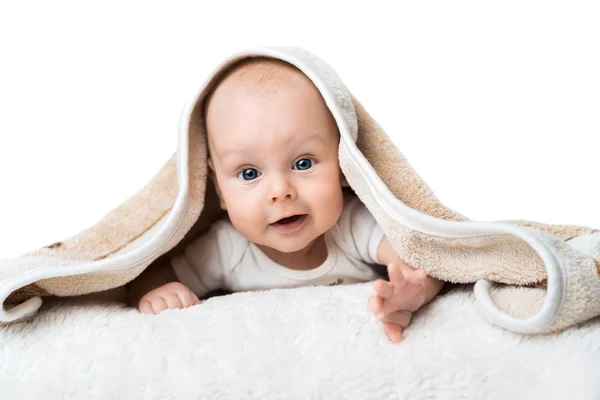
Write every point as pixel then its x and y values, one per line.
pixel 275 199
pixel 282 190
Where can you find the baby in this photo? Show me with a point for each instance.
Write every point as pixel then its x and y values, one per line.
pixel 273 147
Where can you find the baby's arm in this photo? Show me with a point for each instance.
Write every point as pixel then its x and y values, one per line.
pixel 157 289
pixel 201 266
pixel 407 291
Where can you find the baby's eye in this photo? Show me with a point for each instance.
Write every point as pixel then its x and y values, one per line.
pixel 304 164
pixel 249 174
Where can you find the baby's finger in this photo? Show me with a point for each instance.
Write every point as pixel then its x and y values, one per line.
pixel 384 289
pixel 400 318
pixel 393 332
pixel 375 304
pixel 185 297
pixel 389 306
pixel 158 305
pixel 417 300
pixel 413 299
pixel 395 303
pixel 414 283
pixel 195 299
pixel 417 276
pixel 172 301
pixel 145 307
pixel 397 278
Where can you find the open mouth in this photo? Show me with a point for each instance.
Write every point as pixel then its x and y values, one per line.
pixel 289 220
pixel 289 224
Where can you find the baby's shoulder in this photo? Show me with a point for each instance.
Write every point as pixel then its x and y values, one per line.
pixel 221 237
pixel 222 244
pixel 353 212
pixel 357 232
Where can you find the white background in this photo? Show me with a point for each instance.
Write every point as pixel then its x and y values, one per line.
pixel 495 105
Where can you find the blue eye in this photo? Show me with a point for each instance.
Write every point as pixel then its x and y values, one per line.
pixel 303 164
pixel 249 174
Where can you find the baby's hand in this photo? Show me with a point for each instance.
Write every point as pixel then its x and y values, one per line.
pixel 397 299
pixel 169 296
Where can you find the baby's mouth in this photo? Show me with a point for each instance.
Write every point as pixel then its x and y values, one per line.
pixel 288 220
pixel 289 224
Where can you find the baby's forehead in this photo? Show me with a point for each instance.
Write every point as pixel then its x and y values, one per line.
pixel 269 143
pixel 260 77
pixel 258 81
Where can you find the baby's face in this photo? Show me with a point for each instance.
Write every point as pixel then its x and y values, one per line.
pixel 276 164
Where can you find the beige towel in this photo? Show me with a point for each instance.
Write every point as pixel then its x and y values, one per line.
pixel 177 205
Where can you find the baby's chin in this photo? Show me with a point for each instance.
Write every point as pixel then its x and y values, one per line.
pixel 286 243
pixel 291 245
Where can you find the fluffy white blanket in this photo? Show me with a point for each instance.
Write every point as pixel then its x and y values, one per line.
pixel 317 342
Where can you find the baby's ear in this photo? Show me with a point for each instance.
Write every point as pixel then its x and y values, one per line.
pixel 213 177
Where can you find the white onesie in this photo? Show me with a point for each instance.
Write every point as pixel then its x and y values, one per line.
pixel 223 259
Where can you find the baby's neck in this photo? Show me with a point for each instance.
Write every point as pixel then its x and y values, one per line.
pixel 307 258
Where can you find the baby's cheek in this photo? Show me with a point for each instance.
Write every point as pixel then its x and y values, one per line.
pixel 328 183
pixel 245 216
pixel 328 196
pixel 243 222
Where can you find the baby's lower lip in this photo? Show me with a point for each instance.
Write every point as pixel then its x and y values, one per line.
pixel 290 226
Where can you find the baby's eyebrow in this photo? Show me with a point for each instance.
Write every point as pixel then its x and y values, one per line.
pixel 309 139
pixel 232 157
